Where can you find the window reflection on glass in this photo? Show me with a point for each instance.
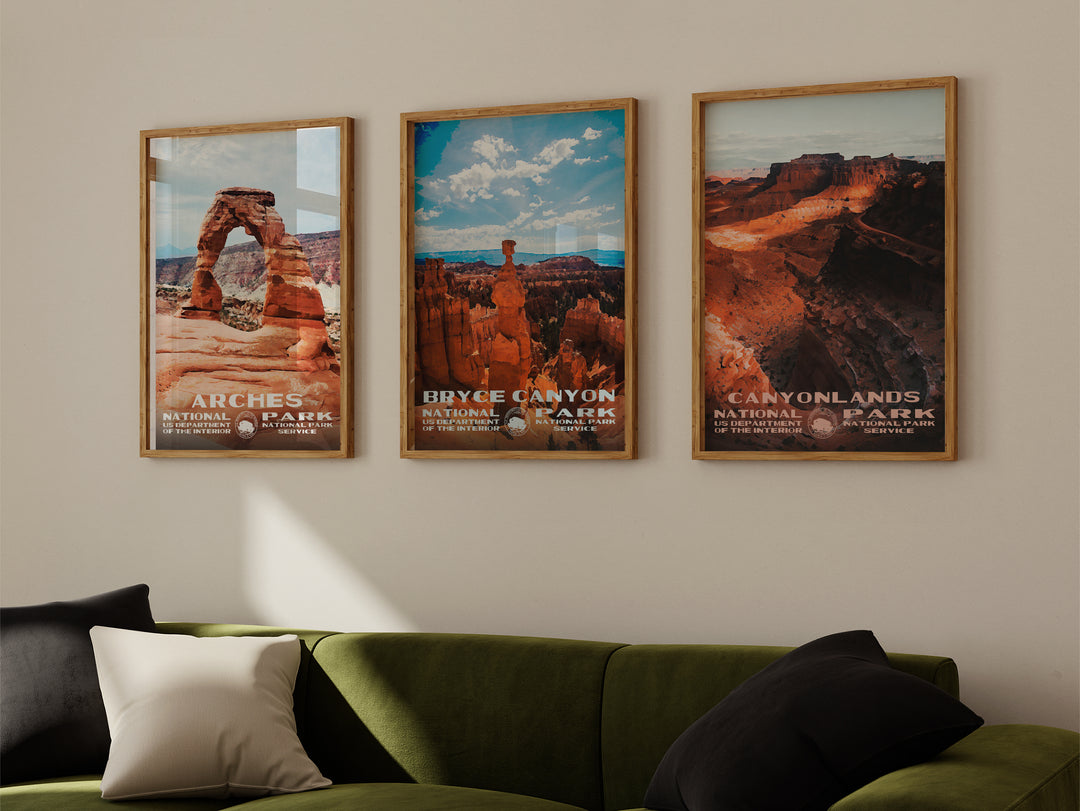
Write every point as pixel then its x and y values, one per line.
pixel 312 222
pixel 161 148
pixel 317 159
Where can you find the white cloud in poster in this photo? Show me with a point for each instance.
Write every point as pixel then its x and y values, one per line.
pixel 481 175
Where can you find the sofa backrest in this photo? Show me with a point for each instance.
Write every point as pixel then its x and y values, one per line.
pixel 585 723
pixel 654 692
pixel 502 713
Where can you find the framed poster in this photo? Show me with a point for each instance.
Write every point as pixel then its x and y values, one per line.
pixel 246 309
pixel 518 281
pixel 825 272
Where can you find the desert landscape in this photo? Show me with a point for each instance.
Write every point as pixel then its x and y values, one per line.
pixel 241 274
pixel 519 356
pixel 824 305
pixel 247 338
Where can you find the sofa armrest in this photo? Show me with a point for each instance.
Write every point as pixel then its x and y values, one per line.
pixel 1012 767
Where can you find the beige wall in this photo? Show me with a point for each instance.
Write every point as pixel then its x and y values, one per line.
pixel 976 559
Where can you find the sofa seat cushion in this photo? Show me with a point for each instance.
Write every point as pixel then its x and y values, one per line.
pixel 83 793
pixel 405 796
pixel 1016 766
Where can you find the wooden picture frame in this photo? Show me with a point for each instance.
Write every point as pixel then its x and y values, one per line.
pixel 228 369
pixel 518 281
pixel 825 272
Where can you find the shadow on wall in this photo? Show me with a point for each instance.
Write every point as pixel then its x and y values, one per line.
pixel 291 577
pixel 479 555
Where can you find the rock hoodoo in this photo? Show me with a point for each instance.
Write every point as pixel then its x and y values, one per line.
pixel 586 325
pixel 483 327
pixel 511 354
pixel 536 340
pixel 570 369
pixel 445 346
pixel 292 299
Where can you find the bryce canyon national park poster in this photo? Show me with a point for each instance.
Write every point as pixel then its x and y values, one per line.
pixel 246 258
pixel 825 272
pixel 518 281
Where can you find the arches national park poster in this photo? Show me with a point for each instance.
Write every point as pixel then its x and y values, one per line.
pixel 518 281
pixel 246 327
pixel 825 272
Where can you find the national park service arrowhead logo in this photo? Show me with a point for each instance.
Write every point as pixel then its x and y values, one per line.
pixel 246 424
pixel 516 422
pixel 822 422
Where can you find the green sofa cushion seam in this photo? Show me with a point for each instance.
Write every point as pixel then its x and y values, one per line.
pixel 939 670
pixel 600 726
pixel 1046 781
pixel 327 635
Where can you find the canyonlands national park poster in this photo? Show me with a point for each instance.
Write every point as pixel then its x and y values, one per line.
pixel 517 278
pixel 245 290
pixel 825 272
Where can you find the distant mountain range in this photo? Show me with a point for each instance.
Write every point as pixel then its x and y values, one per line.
pixel 922 158
pixel 170 251
pixel 495 257
pixel 240 270
pixel 727 175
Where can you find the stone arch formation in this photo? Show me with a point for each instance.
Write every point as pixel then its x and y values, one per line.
pixel 292 299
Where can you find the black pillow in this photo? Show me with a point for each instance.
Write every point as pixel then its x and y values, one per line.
pixel 52 718
pixel 810 728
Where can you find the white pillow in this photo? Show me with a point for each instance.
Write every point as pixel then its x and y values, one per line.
pixel 200 717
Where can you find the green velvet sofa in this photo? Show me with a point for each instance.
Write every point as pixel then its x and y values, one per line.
pixel 472 722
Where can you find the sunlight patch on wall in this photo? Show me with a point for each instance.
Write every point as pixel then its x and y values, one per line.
pixel 292 577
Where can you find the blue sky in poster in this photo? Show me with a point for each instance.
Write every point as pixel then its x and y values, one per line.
pixel 554 183
pixel 754 133
pixel 301 167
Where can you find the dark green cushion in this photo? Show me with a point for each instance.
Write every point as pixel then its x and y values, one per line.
pixel 512 714
pixel 1017 767
pixel 654 692
pixel 407 797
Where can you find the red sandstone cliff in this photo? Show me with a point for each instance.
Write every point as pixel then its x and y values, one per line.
pixel 732 368
pixel 445 346
pixel 828 175
pixel 843 291
pixel 586 324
